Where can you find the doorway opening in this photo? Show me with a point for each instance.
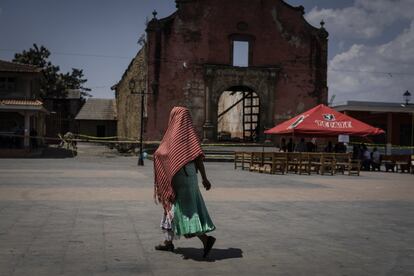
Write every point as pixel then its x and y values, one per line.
pixel 100 131
pixel 238 115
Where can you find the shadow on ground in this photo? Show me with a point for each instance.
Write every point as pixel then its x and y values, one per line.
pixel 48 152
pixel 216 254
pixel 54 152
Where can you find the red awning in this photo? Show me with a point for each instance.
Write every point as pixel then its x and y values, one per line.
pixel 16 105
pixel 324 121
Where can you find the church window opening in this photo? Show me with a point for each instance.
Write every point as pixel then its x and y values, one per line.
pixel 240 53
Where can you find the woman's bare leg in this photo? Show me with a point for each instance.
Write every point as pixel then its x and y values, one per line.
pixel 208 242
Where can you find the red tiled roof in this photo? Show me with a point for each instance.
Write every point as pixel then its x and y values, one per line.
pixel 20 102
pixel 6 66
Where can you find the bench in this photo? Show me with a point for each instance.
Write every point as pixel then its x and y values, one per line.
pixel 242 160
pixel 305 162
pixel 412 164
pixel 397 163
pixel 277 161
pixel 403 163
pixel 293 161
pixel 328 163
pixel 269 162
pixel 315 160
pixel 256 161
pixel 344 162
pixel 389 162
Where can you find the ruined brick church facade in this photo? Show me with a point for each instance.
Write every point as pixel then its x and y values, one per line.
pixel 188 60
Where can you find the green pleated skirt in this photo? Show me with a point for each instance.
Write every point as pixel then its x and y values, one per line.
pixel 191 217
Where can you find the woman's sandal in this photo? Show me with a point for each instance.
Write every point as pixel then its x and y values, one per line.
pixel 209 244
pixel 165 247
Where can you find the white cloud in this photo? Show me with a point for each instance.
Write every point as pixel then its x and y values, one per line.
pixel 377 73
pixel 348 22
pixel 389 10
pixel 364 19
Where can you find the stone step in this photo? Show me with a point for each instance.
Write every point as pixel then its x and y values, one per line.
pixel 211 157
pixel 225 153
pixel 219 158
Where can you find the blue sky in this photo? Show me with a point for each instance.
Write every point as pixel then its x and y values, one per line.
pixel 371 43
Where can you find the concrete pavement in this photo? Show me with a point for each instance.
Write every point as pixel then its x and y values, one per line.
pixel 93 215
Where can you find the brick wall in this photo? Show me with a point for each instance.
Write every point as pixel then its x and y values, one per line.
pixel 201 33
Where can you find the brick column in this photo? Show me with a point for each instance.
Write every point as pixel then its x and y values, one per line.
pixel 208 126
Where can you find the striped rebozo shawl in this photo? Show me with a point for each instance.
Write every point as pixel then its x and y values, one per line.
pixel 179 146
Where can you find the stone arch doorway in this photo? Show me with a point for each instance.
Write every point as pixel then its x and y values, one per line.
pixel 238 115
pixel 219 78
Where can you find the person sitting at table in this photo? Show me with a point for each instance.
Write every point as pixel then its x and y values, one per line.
pixel 301 147
pixel 340 147
pixel 291 145
pixel 356 152
pixel 311 145
pixel 283 147
pixel 329 147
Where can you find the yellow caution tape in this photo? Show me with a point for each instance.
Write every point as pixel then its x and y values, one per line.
pixel 128 140
pixel 381 145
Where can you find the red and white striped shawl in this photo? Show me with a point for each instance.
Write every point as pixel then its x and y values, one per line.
pixel 179 146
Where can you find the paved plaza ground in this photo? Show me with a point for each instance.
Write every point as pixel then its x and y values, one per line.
pixel 94 215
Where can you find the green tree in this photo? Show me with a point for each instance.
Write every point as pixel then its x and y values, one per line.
pixel 53 83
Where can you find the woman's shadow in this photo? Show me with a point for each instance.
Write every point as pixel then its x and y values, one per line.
pixel 216 254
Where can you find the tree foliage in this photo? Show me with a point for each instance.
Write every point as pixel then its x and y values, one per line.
pixel 54 84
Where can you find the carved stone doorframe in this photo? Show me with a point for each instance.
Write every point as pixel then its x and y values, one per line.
pixel 218 78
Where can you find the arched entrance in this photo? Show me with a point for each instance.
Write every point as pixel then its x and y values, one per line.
pixel 238 115
pixel 261 82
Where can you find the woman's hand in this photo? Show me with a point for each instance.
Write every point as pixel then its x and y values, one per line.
pixel 206 184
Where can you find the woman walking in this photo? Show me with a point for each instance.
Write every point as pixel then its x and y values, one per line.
pixel 176 162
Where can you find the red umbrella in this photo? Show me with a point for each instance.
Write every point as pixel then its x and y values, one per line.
pixel 324 121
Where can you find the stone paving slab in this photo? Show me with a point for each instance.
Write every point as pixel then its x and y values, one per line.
pixel 287 238
pixel 93 215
